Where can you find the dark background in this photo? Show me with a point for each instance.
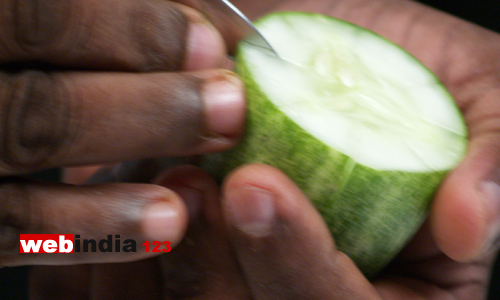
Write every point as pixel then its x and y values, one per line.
pixel 482 12
pixel 13 281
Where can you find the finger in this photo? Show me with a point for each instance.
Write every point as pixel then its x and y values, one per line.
pixel 228 27
pixel 112 35
pixel 283 245
pixel 465 215
pixel 110 221
pixel 65 119
pixel 60 282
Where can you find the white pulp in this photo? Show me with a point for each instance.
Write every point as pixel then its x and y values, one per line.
pixel 359 94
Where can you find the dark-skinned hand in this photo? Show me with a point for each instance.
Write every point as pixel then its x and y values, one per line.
pixel 101 82
pixel 278 248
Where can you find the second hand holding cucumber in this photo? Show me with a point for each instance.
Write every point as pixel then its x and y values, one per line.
pixel 362 127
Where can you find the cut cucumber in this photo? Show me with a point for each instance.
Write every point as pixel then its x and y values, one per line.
pixel 362 127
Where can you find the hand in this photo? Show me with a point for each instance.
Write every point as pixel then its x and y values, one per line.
pixel 264 240
pixel 465 219
pixel 98 82
pixel 462 222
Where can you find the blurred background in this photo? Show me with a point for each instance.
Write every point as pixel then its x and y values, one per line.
pixel 13 281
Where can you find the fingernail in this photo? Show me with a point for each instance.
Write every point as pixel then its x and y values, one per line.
pixel 160 221
pixel 204 46
pixel 491 191
pixel 251 210
pixel 225 105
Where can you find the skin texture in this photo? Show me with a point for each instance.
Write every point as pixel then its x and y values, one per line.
pixel 100 82
pixel 463 56
pixel 259 237
pixel 280 248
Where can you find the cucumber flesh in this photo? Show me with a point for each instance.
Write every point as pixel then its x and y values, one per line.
pixel 362 128
pixel 358 93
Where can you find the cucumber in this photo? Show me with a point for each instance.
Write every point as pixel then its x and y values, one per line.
pixel 362 127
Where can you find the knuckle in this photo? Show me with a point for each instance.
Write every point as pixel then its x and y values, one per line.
pixel 177 114
pixel 482 113
pixel 159 28
pixel 38 23
pixel 36 118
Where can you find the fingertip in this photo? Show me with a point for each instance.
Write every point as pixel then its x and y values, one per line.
pixel 465 215
pixel 250 197
pixel 251 210
pixel 165 220
pixel 224 100
pixel 257 197
pixel 459 217
pixel 205 48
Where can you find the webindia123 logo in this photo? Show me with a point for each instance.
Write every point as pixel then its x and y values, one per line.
pixel 69 243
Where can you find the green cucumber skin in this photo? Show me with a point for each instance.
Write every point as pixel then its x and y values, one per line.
pixel 371 215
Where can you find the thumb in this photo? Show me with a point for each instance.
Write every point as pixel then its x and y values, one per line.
pixel 282 244
pixel 465 216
